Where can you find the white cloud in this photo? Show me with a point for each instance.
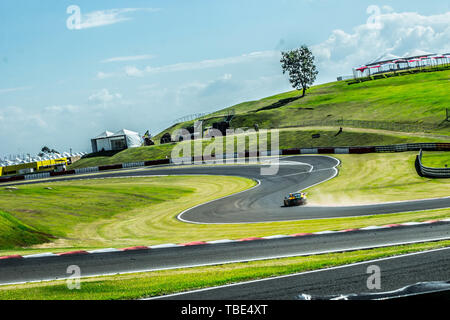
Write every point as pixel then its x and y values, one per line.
pixel 225 91
pixel 107 17
pixel 62 108
pixel 104 97
pixel 104 75
pixel 227 76
pixel 129 58
pixel 15 114
pixel 213 63
pixel 397 33
pixel 7 90
pixel 132 71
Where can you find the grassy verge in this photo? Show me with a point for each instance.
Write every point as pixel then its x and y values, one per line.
pixel 140 285
pixel 288 138
pixel 14 233
pixel 154 222
pixel 98 213
pixel 370 178
pixel 169 230
pixel 436 159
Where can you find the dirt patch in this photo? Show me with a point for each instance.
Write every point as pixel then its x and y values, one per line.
pixel 28 211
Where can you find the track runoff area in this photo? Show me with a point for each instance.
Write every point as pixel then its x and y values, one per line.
pixel 262 203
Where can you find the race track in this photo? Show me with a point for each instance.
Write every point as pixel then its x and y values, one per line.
pixel 259 204
pixel 265 202
pixel 397 272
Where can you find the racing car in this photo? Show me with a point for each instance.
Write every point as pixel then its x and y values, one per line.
pixel 295 199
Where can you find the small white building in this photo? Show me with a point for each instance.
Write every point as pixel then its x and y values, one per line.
pixel 120 140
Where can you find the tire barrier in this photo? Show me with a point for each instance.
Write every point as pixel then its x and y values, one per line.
pixel 421 170
pixel 157 162
pixel 61 173
pixel 428 172
pixel 110 167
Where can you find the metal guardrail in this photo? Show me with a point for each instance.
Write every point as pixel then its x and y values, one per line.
pixel 414 147
pixel 430 172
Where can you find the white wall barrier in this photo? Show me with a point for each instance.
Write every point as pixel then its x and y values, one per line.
pixel 86 170
pixel 341 150
pixel 41 175
pixel 309 151
pixel 133 164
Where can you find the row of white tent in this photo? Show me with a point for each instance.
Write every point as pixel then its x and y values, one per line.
pixel 28 159
pixel 390 62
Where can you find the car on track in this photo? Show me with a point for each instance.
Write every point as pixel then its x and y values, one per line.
pixel 295 199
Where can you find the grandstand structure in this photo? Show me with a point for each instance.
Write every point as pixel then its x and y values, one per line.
pixel 28 165
pixel 390 63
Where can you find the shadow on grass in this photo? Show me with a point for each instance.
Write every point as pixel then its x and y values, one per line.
pixel 101 154
pixel 279 103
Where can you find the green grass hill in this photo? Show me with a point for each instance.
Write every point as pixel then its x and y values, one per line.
pixel 403 109
pixel 413 102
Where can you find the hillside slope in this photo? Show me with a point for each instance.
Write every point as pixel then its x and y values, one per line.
pixel 14 233
pixel 404 109
pixel 412 103
pixel 288 138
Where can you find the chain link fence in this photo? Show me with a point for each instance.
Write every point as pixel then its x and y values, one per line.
pixel 383 125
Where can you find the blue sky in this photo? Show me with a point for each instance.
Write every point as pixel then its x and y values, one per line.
pixel 140 65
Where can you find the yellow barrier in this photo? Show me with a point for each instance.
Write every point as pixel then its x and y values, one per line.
pixel 37 166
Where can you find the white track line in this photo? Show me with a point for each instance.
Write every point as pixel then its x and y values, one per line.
pixel 201 204
pixel 245 260
pixel 296 274
pixel 259 183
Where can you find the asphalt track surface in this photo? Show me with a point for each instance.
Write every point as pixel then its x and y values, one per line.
pixel 265 202
pixel 396 272
pixel 55 267
pixel 262 203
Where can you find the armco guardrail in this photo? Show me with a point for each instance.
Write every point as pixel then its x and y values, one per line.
pixel 428 172
pixel 293 151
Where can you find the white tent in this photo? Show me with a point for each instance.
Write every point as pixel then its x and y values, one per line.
pixel 104 134
pixel 383 59
pixel 417 53
pixel 122 139
pixel 133 139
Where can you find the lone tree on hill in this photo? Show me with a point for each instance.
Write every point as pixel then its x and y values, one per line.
pixel 299 63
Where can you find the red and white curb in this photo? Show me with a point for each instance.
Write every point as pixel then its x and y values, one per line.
pixel 199 243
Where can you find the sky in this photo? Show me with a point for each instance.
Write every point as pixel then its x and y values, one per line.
pixel 70 70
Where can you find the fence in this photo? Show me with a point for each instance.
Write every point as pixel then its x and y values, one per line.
pixel 430 172
pixel 381 125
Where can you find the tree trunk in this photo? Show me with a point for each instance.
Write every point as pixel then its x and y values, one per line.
pixel 304 91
